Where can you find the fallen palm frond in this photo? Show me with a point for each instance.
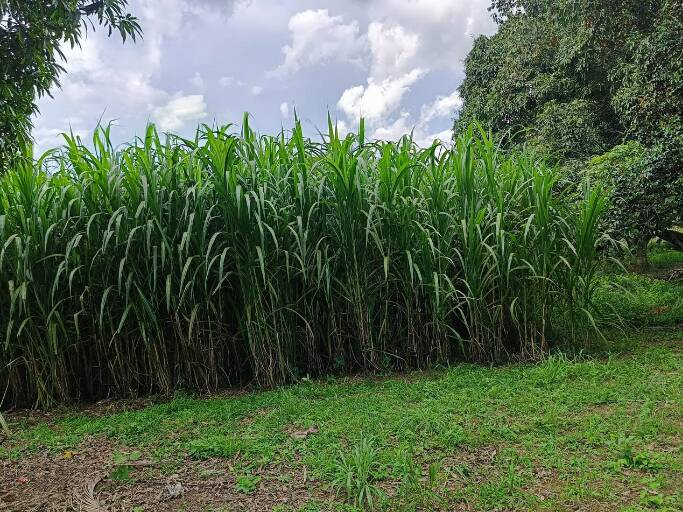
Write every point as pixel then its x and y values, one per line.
pixel 83 499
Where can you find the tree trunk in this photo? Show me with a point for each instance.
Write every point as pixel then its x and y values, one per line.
pixel 674 237
pixel 641 254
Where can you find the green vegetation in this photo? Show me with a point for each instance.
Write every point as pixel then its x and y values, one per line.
pixel 550 436
pixel 644 199
pixel 643 300
pixel 600 427
pixel 663 258
pixel 173 267
pixel 226 259
pixel 579 79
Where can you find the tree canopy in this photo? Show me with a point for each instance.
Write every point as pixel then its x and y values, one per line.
pixel 576 78
pixel 33 34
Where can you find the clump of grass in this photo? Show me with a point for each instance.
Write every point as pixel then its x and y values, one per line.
pixel 213 446
pixel 232 258
pixel 415 492
pixel 122 470
pixel 247 483
pixel 356 475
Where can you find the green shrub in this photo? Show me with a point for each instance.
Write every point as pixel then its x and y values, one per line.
pixel 247 484
pixel 226 259
pixel 567 131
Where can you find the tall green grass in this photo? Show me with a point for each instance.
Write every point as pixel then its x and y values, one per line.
pixel 235 258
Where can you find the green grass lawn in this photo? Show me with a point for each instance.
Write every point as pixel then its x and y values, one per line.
pixel 598 430
pixel 662 257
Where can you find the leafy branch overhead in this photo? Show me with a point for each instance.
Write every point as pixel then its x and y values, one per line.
pixel 33 35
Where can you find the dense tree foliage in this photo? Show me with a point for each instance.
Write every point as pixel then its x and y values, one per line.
pixel 32 35
pixel 575 78
pixel 644 193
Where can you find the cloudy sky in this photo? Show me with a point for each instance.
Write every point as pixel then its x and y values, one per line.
pixel 395 62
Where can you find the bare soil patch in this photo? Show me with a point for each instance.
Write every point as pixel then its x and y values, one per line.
pixel 82 481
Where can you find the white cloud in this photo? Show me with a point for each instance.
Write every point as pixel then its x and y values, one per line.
pixel 225 81
pixel 445 27
pixel 107 78
pixel 77 89
pixel 83 59
pixel 403 125
pixel 402 46
pixel 407 40
pixel 48 138
pixel 179 110
pixel 342 128
pixel 425 140
pixel 52 137
pixel 211 7
pixel 393 49
pixel 317 37
pixel 377 99
pixel 443 106
pixel 93 75
pixel 230 81
pixel 198 81
pixel 394 130
pixel 284 109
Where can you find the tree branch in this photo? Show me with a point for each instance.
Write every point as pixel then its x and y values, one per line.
pixel 91 8
pixel 674 237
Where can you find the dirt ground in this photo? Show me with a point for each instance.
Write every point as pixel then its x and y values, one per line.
pixel 81 481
